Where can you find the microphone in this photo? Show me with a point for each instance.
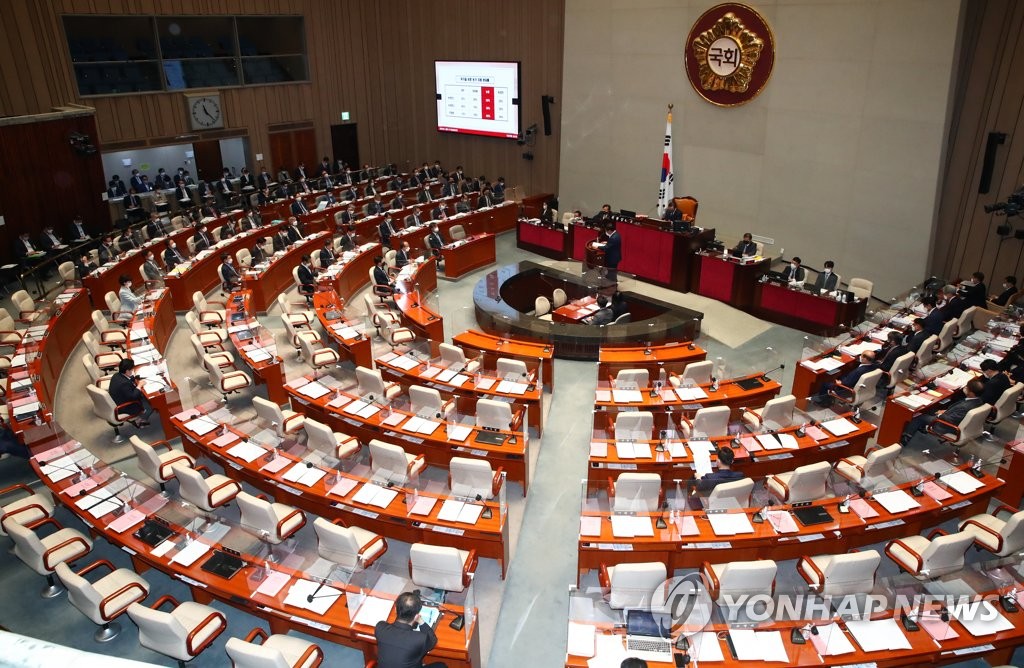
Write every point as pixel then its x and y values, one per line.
pixel 764 375
pixel 322 582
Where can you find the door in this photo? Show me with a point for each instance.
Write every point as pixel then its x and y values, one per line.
pixel 209 165
pixel 345 143
pixel 289 148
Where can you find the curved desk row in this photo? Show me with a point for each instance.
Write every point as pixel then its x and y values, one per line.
pixel 672 357
pixel 747 392
pixel 493 348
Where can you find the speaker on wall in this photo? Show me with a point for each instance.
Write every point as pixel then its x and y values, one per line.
pixel 545 106
pixel 989 163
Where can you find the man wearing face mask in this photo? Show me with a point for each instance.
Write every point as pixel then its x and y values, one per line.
pixel 229 276
pixel 794 273
pixel 1009 290
pixel 172 257
pixel 847 385
pixel 150 269
pixel 827 279
pixel 974 290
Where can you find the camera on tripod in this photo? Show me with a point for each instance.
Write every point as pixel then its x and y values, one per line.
pixel 1011 207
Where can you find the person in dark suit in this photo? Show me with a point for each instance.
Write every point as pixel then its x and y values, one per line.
pixel 996 382
pixel 954 305
pixel 450 189
pixel 307 279
pixel 398 202
pixel 415 219
pixel 746 247
pixel 84 266
pixel 150 269
pixel 376 206
pixel 405 642
pixel 327 254
pixel 250 221
pixel 163 180
pixel 603 315
pixel 672 214
pixel 172 256
pixel 302 187
pixel 1009 290
pixel 49 241
pixel 547 215
pixel 499 188
pixel 300 171
pixel 386 230
pixel 439 212
pixel 917 335
pixel 183 196
pixel 849 380
pixel 230 279
pixel 118 187
pixel 258 253
pixel 604 216
pixel 344 176
pixel 827 279
pixel 464 206
pixel 136 182
pixel 612 252
pixel 370 190
pixel 78 231
pixel 434 240
pixel 155 227
pixel 380 273
pixel 281 240
pixel 953 415
pixel 619 305
pixel 724 473
pixel 402 257
pixel 348 216
pixel 347 241
pixel 894 349
pixel 295 234
pixel 299 207
pixel 133 206
pixel 349 194
pixel 125 392
pixel 264 196
pixel 974 291
pixel 264 179
pixel 201 238
pixel 424 196
pixel 107 250
pixel 935 318
pixel 794 273
pixel 486 199
pixel 328 198
pixel 126 241
pixel 245 180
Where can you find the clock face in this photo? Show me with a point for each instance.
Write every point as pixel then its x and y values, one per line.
pixel 205 112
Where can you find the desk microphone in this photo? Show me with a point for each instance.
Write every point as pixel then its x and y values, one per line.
pixel 764 375
pixel 312 597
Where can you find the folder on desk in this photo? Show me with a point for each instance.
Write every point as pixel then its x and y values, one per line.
pixel 691 393
pixel 581 639
pixel 590 525
pixel 627 396
pixel 878 635
pixel 840 426
pixel 304 475
pixel 453 510
pixel 962 482
pixel 323 596
pixel 375 495
pixel 981 619
pixel 247 452
pixel 191 553
pixel 343 487
pixel 896 501
pixel 768 441
pixel 758 645
pixel 830 640
pixel 313 390
pixel 730 524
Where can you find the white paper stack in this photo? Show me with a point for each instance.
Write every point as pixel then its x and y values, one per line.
pixel 453 510
pixel 962 482
pixel 878 635
pixel 323 596
pixel 730 524
pixel 896 501
pixel 759 645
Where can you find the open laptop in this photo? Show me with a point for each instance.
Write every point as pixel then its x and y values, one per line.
pixel 648 635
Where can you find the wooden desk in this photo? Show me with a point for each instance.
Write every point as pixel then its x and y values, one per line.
pixel 154 324
pixel 845 531
pixel 574 311
pixel 457 648
pixel 259 354
pixel 462 257
pixel 328 497
pixel 897 415
pixel 552 242
pixel 347 277
pixel 276 278
pixel 495 347
pixel 437 448
pixel 532 204
pixel 330 312
pixel 417 315
pixel 730 280
pixel 808 382
pixel 805 311
pixel 729 393
pixel 672 357
pixel 107 279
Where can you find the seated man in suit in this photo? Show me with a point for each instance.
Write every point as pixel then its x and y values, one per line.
pixel 996 382
pixel 917 335
pixel 347 240
pixel 172 256
pixel 307 279
pixel 935 318
pixel 724 473
pixel 386 230
pixel 84 266
pixel 416 218
pixel 463 205
pixel 250 221
pixel 672 214
pixel 603 315
pixel 424 196
pixel 370 190
pixel 50 242
pixel 281 240
pixel 155 227
pixel 402 257
pixel 376 206
pixel 619 305
pixel 107 251
pixel 827 281
pixel 182 194
pixel 954 305
pixel 349 194
pixel 150 269
pixel 298 207
pixel 78 231
pixel 974 290
pixel 265 197
pixel 125 392
pixel 245 180
pixel 230 279
pixel 163 180
pixel 612 252
pixel 380 273
pixel 118 187
pixel 893 349
pixel 228 229
pixel 1009 290
pixel 327 253
pixel 133 207
pixel 486 199
pixel 848 380
pixel 201 238
pixel 603 216
pixel 398 202
pixel 127 240
pixel 439 212
pixel 953 415
pixel 435 241
pixel 407 640
pixel 295 234
pixel 794 274
pixel 302 187
pixel 746 247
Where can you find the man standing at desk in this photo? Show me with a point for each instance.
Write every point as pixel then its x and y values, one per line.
pixel 406 641
pixel 612 252
pixel 604 215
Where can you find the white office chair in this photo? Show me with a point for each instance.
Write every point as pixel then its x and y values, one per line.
pixel 558 298
pixel 276 651
pixel 98 377
pixel 104 408
pixel 861 288
pixel 106 360
pixel 805 483
pixel 473 478
pixel 297 334
pixel 284 421
pixel 970 428
pixel 395 335
pixel 634 426
pixel 712 421
pixel 730 495
pixel 348 547
pixel 878 462
pixel 965 323
pixel 211 337
pixel 320 437
pixel 1006 404
pixel 379 313
pixel 1001 537
pixel 207 493
pixel 208 317
pixel 901 369
pixel 392 463
pixel 298 317
pixel 455 358
pixel 542 307
pixel 496 415
pixel 865 391
pixel 457 232
pixel 227 382
pixel 926 352
pixel 159 466
pixel 25 305
pixel 427 402
pixel 244 258
pixel 739 578
pixel 106 599
pixel 114 306
pixel 67 272
pixel 840 574
pixel 635 492
pixel 221 358
pixel 440 567
pixel 370 383
pixel 511 368
pixel 632 585
pixel 27 509
pixel 109 336
pixel 697 372
pixel 632 379
pixel 181 634
pixel 9 335
pixel 318 358
pixel 930 557
pixel 946 335
pixel 776 414
pixel 275 522
pixel 42 554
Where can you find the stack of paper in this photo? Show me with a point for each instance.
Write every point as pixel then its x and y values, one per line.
pixel 782 521
pixel 691 393
pixel 954 379
pixel 831 641
pixel 343 487
pixel 758 645
pixel 247 452
pixel 627 396
pixel 510 387
pixel 305 475
pixel 598 449
pixel 879 635
pixel 323 596
pixel 825 364
pixel 581 639
pixel 981 619
pixel 896 501
pixel 458 432
pixel 590 525
pixel 840 426
pixel 913 401
pixel 962 482
pixel 274 582
pixel 730 524
pixel 631 526
pixel 201 426
pixel 633 450
pixel 769 442
pixel 423 505
pixel 375 495
pixel 313 390
pixel 704 646
pixel 191 553
pixel 453 510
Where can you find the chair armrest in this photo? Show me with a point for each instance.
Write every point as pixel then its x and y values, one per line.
pixel 808 562
pixel 897 541
pixel 469 568
pixel 517 420
pixel 846 461
pixel 115 315
pixel 603 579
pixel 284 520
pixel 782 483
pixel 217 302
pixel 315 651
pixel 714 586
pixel 340 522
pixel 611 488
pixel 946 437
pixel 998 537
pixel 120 410
pixel 190 645
pixel 293 418
pixel 261 634
pixel 99 563
pixel 1002 507
pixel 383 290
pixel 24 488
pixel 223 485
pixel 834 390
pixel 22 509
pixel 755 416
pixel 169 464
pixel 108 615
pixel 937 532
pixel 41 522
pixel 366 548
pixel 61 546
pixel 496 481
pixel 202 313
pixel 412 464
pixel 166 598
pixel 204 467
pixel 161 444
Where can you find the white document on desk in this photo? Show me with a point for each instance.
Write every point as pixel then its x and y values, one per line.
pixel 730 524
pixel 758 645
pixel 981 619
pixel 704 646
pixel 304 475
pixel 896 501
pixel 445 376
pixel 831 640
pixel 191 553
pixel 354 407
pixel 788 441
pixel 323 596
pixel 458 432
pixel 581 639
pixel 840 426
pixel 878 635
pixel 768 441
pixel 247 451
pixel 373 610
pixel 590 525
pixel 609 651
pixel 627 396
pixel 404 363
pixel 691 393
pixel 368 411
pixel 313 390
pixel 962 482
pixel 701 461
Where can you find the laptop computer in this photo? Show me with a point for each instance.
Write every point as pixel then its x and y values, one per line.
pixel 648 635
